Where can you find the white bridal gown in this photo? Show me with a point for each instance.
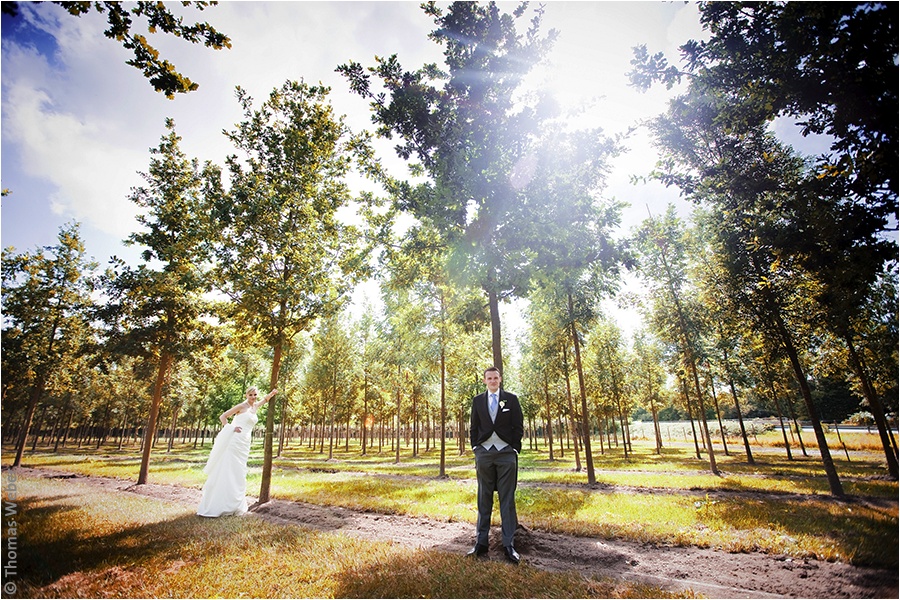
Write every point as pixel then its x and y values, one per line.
pixel 224 492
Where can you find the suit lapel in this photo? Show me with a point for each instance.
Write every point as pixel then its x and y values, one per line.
pixel 482 406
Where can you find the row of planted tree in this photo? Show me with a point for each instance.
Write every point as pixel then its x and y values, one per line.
pixel 369 436
pixel 785 276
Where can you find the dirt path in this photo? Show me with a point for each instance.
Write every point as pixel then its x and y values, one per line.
pixel 711 573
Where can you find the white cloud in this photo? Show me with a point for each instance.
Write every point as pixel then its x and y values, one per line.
pixel 91 174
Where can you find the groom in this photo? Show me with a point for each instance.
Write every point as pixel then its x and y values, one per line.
pixel 496 431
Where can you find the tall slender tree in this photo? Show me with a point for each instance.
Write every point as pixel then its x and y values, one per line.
pixel 284 256
pixel 156 310
pixel 664 264
pixel 332 371
pixel 471 130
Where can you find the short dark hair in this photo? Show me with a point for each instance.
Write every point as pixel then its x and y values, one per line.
pixel 491 369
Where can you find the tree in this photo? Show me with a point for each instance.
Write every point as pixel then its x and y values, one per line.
pixel 419 263
pixel 46 304
pixel 725 331
pixel 830 65
pixel 284 258
pixel 546 360
pixel 749 181
pixel 365 331
pixel 158 312
pixel 161 73
pixel 331 371
pixel 473 136
pixel 576 258
pixel 664 264
pixel 608 359
pixel 650 378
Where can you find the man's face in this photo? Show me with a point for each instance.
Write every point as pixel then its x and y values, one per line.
pixel 492 380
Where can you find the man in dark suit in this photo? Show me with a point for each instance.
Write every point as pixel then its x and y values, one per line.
pixel 496 431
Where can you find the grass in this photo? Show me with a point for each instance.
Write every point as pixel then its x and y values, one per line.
pixel 668 498
pixel 76 541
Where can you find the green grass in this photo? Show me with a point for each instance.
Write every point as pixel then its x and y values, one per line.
pixel 670 498
pixel 76 541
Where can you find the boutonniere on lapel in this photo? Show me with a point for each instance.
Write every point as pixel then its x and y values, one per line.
pixel 502 404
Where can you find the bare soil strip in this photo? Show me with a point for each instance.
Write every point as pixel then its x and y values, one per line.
pixel 708 572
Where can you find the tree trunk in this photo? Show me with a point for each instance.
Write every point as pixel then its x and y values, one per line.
pixel 687 404
pixel 365 419
pixel 175 410
pixel 281 433
pixel 165 361
pixel 443 431
pixel 38 426
pixel 656 432
pixel 737 406
pixel 586 422
pixel 266 481
pixel 549 415
pixel 415 425
pixel 797 428
pixel 494 303
pixel 331 418
pixel 572 421
pixel 712 389
pixel 397 445
pixel 573 425
pixel 812 410
pixel 37 390
pixel 874 404
pixel 787 443
pixel 704 426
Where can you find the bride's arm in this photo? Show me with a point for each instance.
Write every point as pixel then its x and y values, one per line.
pixel 238 408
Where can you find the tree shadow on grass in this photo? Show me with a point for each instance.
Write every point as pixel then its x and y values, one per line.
pixel 48 551
pixel 866 533
pixel 430 573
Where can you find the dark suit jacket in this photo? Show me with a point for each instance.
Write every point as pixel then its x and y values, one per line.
pixel 510 425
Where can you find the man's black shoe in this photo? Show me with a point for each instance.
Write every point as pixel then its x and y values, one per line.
pixel 511 555
pixel 478 550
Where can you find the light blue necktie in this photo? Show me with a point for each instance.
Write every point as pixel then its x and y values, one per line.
pixel 493 407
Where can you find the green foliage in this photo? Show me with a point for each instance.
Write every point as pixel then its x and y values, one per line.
pixel 46 314
pixel 836 399
pixel 159 18
pixel 830 66
pixel 46 299
pixel 283 256
pixel 155 311
pixel 492 154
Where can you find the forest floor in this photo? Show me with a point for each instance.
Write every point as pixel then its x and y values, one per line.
pixel 706 572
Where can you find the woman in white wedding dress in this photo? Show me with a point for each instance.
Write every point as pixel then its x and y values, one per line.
pixel 224 492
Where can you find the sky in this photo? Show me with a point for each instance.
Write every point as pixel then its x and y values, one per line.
pixel 78 123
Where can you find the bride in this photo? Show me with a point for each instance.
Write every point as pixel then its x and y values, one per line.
pixel 226 484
